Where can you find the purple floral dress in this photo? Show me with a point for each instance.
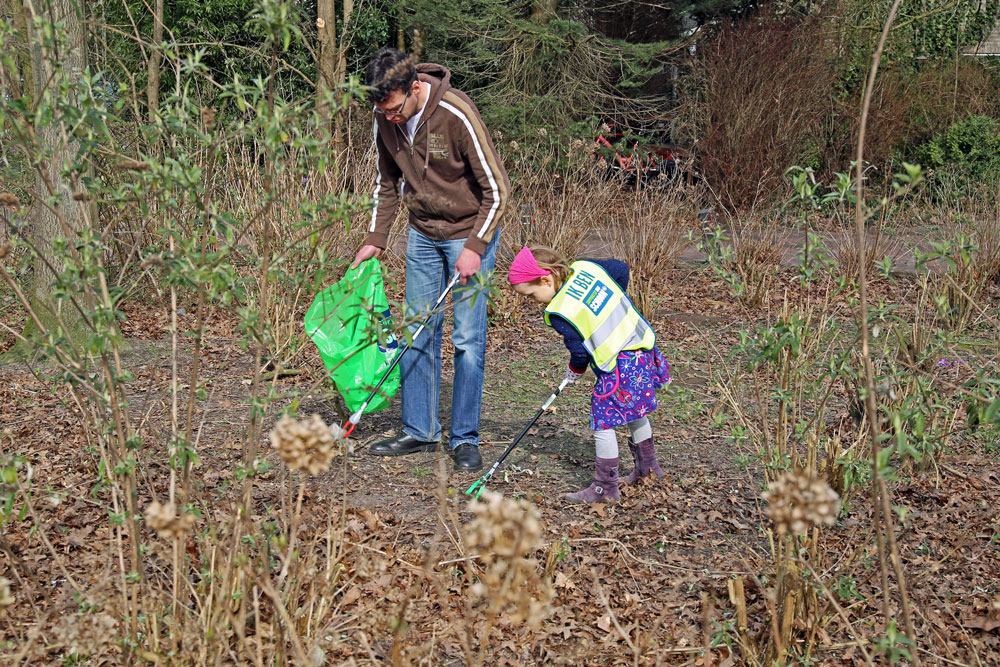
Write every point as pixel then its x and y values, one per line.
pixel 628 392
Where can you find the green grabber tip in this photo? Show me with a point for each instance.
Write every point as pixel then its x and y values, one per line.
pixel 479 483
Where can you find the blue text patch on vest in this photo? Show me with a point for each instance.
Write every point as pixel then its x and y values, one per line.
pixel 597 297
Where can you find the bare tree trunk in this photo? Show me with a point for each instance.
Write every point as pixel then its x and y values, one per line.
pixel 155 59
pixel 55 213
pixel 542 11
pixel 417 48
pixel 345 42
pixel 340 75
pixel 326 31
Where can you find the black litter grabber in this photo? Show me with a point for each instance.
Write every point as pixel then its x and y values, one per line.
pixel 356 417
pixel 481 482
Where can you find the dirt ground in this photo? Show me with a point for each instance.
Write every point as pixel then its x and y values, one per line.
pixel 658 561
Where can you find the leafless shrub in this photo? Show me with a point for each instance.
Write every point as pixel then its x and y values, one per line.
pixel 558 201
pixel 649 231
pixel 554 204
pixel 336 235
pixel 758 94
pixel 878 246
pixel 758 248
pixel 970 256
pixel 984 227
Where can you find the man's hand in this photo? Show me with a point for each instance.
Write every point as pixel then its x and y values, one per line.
pixel 467 265
pixel 366 252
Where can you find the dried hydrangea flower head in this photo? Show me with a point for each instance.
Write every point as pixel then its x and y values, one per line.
pixel 6 597
pixel 306 444
pixel 166 521
pixel 798 500
pixel 85 634
pixel 503 531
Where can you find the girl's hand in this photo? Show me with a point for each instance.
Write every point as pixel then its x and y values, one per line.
pixel 572 376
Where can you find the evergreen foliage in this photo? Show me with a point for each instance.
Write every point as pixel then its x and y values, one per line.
pixel 970 149
pixel 530 69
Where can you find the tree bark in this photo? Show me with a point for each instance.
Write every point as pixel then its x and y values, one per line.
pixel 55 213
pixel 542 11
pixel 345 42
pixel 340 75
pixel 155 60
pixel 326 32
pixel 17 81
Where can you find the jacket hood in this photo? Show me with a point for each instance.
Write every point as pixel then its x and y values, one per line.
pixel 434 71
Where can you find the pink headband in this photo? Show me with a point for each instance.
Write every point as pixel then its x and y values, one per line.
pixel 524 268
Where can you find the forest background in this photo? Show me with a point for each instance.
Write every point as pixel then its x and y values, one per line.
pixel 178 179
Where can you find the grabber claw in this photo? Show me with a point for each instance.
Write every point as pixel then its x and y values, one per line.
pixel 480 484
pixel 354 419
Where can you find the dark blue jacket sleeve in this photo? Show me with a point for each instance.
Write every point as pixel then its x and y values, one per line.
pixel 617 269
pixel 578 355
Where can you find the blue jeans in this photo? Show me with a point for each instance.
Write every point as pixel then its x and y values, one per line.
pixel 430 265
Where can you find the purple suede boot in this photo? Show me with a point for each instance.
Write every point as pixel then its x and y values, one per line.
pixel 644 455
pixel 604 488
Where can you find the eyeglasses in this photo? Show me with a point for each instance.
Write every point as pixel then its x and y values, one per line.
pixel 398 111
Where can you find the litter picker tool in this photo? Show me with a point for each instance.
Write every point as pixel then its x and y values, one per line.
pixel 356 417
pixel 481 482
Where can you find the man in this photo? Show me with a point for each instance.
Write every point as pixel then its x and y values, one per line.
pixel 434 150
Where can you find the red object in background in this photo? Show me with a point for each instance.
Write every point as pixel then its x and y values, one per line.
pixel 654 164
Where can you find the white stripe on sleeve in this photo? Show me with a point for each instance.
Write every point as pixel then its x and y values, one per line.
pixel 482 160
pixel 378 176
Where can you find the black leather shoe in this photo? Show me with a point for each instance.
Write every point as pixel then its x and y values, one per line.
pixel 467 458
pixel 401 445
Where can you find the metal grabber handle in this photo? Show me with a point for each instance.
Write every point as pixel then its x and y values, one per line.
pixel 481 482
pixel 356 417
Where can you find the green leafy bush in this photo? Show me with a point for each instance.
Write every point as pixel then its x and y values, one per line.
pixel 969 150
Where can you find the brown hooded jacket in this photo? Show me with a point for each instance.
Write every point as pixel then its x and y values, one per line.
pixel 452 179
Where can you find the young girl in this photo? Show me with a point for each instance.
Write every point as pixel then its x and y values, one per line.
pixel 586 303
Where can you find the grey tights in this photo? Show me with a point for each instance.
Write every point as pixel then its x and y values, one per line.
pixel 607 442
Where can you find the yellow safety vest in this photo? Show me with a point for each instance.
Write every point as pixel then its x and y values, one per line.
pixel 602 313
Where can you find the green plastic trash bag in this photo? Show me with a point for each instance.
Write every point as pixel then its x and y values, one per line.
pixel 344 322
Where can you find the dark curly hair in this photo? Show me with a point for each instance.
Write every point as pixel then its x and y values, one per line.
pixel 389 70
